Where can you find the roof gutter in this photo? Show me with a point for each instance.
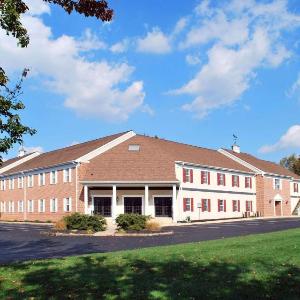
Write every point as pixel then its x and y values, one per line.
pixel 73 162
pixel 211 167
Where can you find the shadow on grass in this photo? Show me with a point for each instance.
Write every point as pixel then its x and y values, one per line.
pixel 130 278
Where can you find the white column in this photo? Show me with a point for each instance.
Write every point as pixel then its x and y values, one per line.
pixel 174 203
pixel 146 209
pixel 114 202
pixel 86 199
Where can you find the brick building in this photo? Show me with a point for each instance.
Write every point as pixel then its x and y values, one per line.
pixel 129 173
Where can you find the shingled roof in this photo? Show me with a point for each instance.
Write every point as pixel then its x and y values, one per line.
pixel 153 162
pixel 63 155
pixel 264 165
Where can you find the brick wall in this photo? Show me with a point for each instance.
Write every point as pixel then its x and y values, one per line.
pixel 266 193
pixel 60 190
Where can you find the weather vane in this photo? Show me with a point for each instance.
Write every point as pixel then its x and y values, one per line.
pixel 235 138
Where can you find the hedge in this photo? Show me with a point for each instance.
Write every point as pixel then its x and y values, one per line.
pixel 79 221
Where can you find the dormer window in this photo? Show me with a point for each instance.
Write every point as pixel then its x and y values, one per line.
pixel 134 147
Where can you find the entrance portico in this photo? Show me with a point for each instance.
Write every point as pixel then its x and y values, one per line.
pixel 157 199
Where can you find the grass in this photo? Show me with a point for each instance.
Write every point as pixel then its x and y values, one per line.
pixel 264 266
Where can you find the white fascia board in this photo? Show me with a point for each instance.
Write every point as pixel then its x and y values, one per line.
pixel 240 161
pixel 18 162
pixel 126 183
pixel 184 163
pixel 85 158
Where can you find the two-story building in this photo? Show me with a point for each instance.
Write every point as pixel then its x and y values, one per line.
pixel 130 173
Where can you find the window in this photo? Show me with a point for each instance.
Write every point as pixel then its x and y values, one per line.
pixel 20 206
pixel 188 204
pixel 187 175
pixel 221 205
pixel 205 203
pixel 30 179
pixel 67 175
pixel 42 179
pixel 53 177
pixel 42 205
pixel 53 205
pixel 277 184
pixel 134 147
pixel 20 182
pixel 249 206
pixel 248 182
pixel 235 181
pixel 235 205
pixel 67 204
pixel 11 183
pixel 296 187
pixel 221 179
pixel 205 177
pixel 2 207
pixel 31 206
pixel 11 206
pixel 3 184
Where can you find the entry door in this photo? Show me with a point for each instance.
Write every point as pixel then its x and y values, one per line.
pixel 163 206
pixel 102 206
pixel 278 208
pixel 133 205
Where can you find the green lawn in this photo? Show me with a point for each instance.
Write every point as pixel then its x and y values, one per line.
pixel 265 266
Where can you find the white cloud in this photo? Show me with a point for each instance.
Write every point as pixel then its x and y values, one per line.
pixel 37 7
pixel 291 139
pixel 192 59
pixel 34 149
pixel 90 41
pixel 241 37
pixel 295 87
pixel 120 47
pixel 180 26
pixel 155 42
pixel 90 88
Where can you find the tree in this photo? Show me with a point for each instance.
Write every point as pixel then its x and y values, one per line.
pixel 11 128
pixel 292 163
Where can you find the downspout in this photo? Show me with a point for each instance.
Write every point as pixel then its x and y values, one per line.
pixel 25 197
pixel 76 187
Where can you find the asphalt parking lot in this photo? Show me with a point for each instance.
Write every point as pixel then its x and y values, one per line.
pixel 20 242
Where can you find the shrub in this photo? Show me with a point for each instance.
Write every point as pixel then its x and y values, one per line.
pixel 132 222
pixel 152 225
pixel 79 221
pixel 60 225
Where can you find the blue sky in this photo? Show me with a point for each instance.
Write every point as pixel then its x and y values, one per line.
pixel 191 71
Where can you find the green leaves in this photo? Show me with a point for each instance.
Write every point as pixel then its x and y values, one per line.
pixel 11 128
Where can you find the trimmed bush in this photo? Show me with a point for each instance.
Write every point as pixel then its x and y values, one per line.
pixel 134 222
pixel 152 225
pixel 79 221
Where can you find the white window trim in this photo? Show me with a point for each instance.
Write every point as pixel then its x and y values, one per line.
pixel 69 170
pixel 207 206
pixel 20 182
pixel 41 201
pixel 65 204
pixel 32 208
pixel 30 183
pixel 55 177
pixel 55 201
pixel 43 177
pixel 280 184
pixel 222 205
pixel 11 183
pixel 20 207
pixel 188 202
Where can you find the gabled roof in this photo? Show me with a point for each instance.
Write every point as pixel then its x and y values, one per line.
pixel 13 162
pixel 263 165
pixel 63 155
pixel 155 161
